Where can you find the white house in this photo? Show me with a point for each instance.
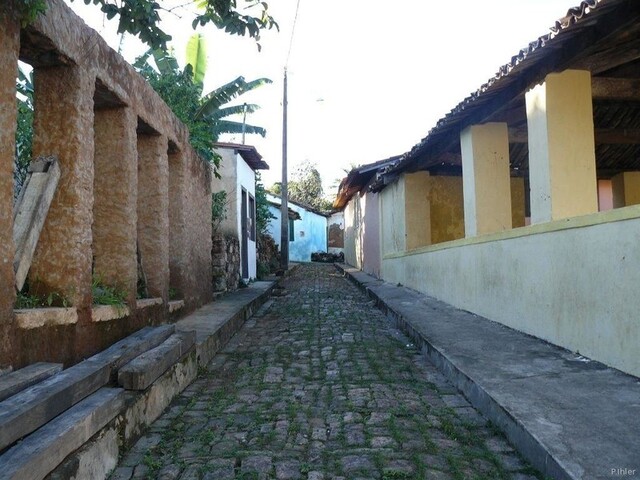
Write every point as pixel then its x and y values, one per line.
pixel 237 169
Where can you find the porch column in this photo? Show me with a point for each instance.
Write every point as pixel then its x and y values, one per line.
pixel 63 126
pixel 153 212
pixel 115 206
pixel 486 179
pixel 10 41
pixel 562 165
pixel 177 222
pixel 626 189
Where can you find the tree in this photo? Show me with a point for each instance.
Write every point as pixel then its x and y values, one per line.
pixel 141 18
pixel 306 187
pixel 181 89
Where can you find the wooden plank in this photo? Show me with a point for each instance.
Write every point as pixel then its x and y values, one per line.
pixel 145 369
pixel 626 89
pixel 28 410
pixel 603 136
pixel 18 380
pixel 128 348
pixel 31 213
pixel 41 452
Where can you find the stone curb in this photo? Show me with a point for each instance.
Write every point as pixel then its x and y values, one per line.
pixel 527 444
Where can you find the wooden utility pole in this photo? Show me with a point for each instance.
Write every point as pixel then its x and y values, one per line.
pixel 284 204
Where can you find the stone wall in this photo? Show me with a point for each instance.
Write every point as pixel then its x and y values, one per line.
pixel 268 255
pixel 225 258
pixel 131 188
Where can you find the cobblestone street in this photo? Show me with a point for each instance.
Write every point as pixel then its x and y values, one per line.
pixel 320 385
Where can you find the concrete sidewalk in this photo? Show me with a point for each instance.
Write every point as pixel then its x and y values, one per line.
pixel 571 417
pixel 216 322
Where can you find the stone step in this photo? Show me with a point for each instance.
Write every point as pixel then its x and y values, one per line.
pixel 18 380
pixel 146 368
pixel 42 451
pixel 28 410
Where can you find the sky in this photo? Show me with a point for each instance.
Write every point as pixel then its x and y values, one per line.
pixel 367 79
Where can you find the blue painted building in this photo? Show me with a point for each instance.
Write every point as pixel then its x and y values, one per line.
pixel 307 229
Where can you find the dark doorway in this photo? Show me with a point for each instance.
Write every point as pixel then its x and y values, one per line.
pixel 244 246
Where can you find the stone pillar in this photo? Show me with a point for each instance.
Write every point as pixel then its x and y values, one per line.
pixel 417 212
pixel 9 49
pixel 626 189
pixel 63 126
pixel 115 200
pixel 177 223
pixel 153 213
pixel 562 168
pixel 486 179
pixel 518 205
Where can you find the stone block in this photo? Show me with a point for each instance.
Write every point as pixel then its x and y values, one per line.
pixel 143 370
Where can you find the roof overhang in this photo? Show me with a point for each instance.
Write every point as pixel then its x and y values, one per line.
pixel 248 153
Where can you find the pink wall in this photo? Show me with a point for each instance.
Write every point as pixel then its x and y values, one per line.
pixel 371 234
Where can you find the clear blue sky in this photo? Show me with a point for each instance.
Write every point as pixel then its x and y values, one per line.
pixel 367 78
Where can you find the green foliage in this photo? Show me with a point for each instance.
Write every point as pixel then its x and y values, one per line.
pixel 106 295
pixel 205 117
pixel 263 215
pixel 218 209
pixel 306 187
pixel 30 9
pixel 24 130
pixel 25 299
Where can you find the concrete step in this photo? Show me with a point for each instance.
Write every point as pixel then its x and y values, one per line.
pixel 571 417
pixel 18 380
pixel 42 451
pixel 146 368
pixel 33 407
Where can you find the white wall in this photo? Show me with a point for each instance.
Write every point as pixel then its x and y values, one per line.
pixel 246 180
pixel 573 282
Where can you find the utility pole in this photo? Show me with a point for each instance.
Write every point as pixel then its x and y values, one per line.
pixel 244 121
pixel 284 203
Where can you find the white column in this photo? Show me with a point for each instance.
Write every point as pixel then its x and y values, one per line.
pixel 562 168
pixel 486 179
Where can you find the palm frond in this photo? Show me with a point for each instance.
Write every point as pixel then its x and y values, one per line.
pixel 196 56
pixel 229 126
pixel 227 92
pixel 233 110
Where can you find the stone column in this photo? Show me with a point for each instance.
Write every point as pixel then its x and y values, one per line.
pixel 417 211
pixel 177 222
pixel 63 126
pixel 153 213
pixel 10 47
pixel 486 179
pixel 626 189
pixel 562 168
pixel 115 200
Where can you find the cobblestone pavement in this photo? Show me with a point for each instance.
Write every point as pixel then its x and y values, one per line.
pixel 320 385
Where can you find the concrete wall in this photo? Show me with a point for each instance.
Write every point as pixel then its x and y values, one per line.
pixel 130 184
pixel 362 233
pixel 228 182
pixel 574 297
pixel 247 180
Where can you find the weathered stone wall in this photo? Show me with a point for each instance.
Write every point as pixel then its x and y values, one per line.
pixel 225 254
pixel 268 255
pixel 131 188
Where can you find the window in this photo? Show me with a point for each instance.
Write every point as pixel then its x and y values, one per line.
pixel 252 218
pixel 291 231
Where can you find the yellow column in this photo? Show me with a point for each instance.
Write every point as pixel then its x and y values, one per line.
pixel 562 169
pixel 626 189
pixel 486 181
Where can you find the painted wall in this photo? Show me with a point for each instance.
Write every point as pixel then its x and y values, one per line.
pixel 310 232
pixel 362 233
pixel 572 282
pixel 236 175
pixel 393 231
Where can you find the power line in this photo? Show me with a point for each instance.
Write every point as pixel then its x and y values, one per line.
pixel 293 31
